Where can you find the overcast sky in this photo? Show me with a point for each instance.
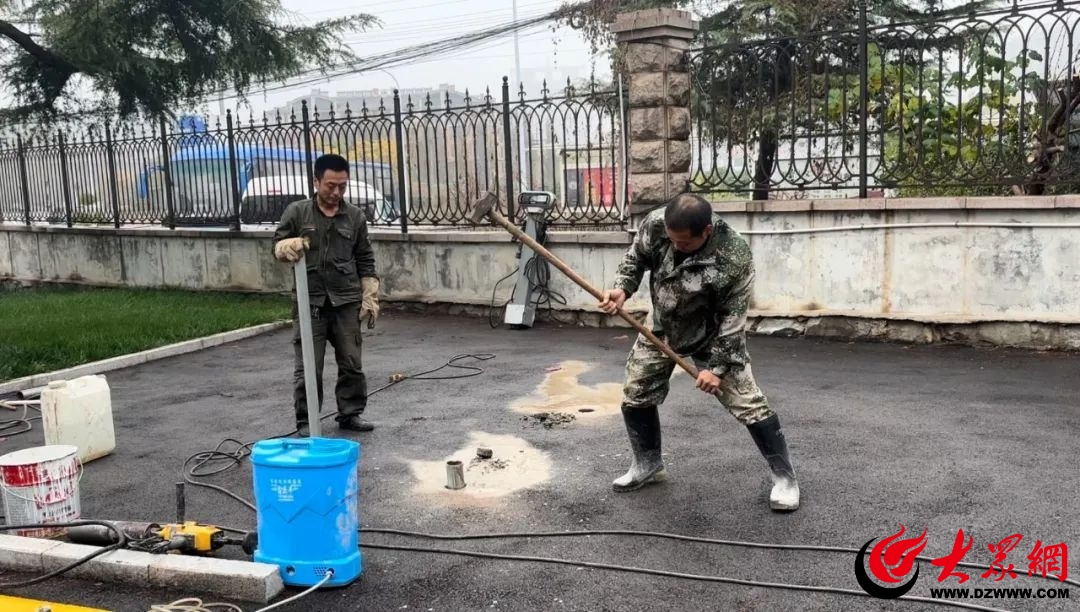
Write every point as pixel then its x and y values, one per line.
pixel 544 53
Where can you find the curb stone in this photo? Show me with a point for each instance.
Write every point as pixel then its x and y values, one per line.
pixel 241 580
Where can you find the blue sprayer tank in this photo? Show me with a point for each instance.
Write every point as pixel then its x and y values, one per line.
pixel 306 495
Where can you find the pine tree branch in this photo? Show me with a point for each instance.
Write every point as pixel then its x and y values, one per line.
pixel 28 44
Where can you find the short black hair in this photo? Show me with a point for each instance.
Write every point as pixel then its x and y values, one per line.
pixel 332 162
pixel 688 212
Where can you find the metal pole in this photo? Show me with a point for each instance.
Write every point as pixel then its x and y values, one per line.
pixel 65 182
pixel 517 51
pixel 24 178
pixel 625 187
pixel 309 162
pixel 508 148
pixel 114 188
pixel 864 95
pixel 234 179
pixel 403 159
pixel 307 345
pixel 524 158
pixel 402 163
pixel 170 206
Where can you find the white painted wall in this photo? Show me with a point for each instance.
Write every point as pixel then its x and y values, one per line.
pixel 943 274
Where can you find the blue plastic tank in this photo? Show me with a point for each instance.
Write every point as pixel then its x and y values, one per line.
pixel 307 501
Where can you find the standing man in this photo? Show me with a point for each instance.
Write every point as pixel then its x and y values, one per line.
pixel 701 278
pixel 343 288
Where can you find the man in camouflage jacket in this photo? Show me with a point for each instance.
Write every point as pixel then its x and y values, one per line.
pixel 701 278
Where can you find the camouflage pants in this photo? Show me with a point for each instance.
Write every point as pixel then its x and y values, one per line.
pixel 648 375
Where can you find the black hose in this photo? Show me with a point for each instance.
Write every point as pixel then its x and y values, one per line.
pixel 233 458
pixel 121 542
pixel 669 574
pixel 656 534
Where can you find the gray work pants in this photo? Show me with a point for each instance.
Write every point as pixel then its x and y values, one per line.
pixel 341 326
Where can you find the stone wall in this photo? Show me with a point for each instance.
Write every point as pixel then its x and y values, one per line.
pixel 651 52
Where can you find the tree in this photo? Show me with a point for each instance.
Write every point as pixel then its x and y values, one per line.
pixel 152 56
pixel 957 128
pixel 766 52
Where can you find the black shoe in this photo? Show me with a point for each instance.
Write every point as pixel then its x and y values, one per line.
pixel 770 441
pixel 355 424
pixel 643 428
pixel 302 430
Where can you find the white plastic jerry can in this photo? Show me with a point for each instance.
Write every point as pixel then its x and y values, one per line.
pixel 79 413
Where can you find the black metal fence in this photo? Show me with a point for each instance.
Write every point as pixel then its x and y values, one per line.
pixel 414 162
pixel 981 105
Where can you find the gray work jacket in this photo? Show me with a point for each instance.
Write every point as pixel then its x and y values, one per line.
pixel 340 253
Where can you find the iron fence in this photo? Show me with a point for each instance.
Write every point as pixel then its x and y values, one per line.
pixel 980 105
pixel 414 162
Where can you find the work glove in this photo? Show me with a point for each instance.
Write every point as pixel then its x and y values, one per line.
pixel 369 306
pixel 290 250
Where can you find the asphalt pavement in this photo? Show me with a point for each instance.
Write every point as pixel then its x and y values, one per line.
pixel 882 435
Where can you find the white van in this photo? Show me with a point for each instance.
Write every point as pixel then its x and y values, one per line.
pixel 265 199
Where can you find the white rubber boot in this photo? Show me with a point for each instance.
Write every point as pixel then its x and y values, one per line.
pixel 643 428
pixel 785 494
pixel 770 441
pixel 646 469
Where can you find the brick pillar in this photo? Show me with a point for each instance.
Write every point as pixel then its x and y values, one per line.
pixel 652 57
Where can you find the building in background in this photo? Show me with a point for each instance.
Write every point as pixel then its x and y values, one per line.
pixel 371 99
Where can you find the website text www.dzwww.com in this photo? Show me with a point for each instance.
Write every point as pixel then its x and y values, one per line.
pixel 999 593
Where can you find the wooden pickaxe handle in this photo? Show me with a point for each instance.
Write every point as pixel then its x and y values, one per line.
pixel 584 284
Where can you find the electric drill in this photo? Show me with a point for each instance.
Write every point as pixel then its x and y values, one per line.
pixel 188 538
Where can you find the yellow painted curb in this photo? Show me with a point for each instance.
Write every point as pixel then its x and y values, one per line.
pixel 18 604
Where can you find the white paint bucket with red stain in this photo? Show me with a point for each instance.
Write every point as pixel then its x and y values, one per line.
pixel 40 486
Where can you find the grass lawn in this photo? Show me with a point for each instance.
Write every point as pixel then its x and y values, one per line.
pixel 48 328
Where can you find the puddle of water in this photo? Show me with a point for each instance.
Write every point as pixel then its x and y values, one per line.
pixel 514 465
pixel 561 392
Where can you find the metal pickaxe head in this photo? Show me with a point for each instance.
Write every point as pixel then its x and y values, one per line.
pixel 483 207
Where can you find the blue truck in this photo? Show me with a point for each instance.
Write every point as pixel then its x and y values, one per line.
pixel 199 166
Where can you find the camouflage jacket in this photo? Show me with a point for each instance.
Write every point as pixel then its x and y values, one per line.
pixel 340 253
pixel 699 306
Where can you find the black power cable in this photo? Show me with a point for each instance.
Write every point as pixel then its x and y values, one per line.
pixel 195 464
pixel 669 574
pixel 24 422
pixel 121 542
pixel 492 309
pixel 538 273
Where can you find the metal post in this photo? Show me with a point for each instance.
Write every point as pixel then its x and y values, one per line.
pixel 625 141
pixel 234 175
pixel 506 145
pixel 114 189
pixel 864 98
pixel 65 182
pixel 180 503
pixel 310 163
pixel 25 182
pixel 403 168
pixel 307 346
pixel 170 205
pixel 524 155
